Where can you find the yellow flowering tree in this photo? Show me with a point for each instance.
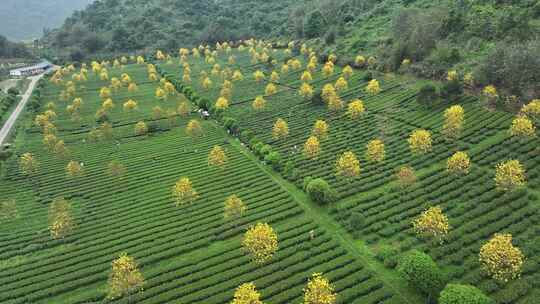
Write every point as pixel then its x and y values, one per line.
pixel 453 124
pixel 420 142
pixel 371 61
pixel 107 105
pixel 259 76
pixel 312 147
pixel 222 104
pixel 532 109
pixel 237 76
pixel 522 127
pixel 328 92
pixel 452 75
pixel 105 93
pixel 280 129
pixel 306 91
pixel 74 169
pixel 61 150
pixel 328 69
pixel 306 77
pixel 141 128
pixel 320 129
pixel 406 177
pixel 217 157
pixel 360 60
pixel 271 89
pixel 491 94
pixel 207 83
pixel 341 84
pixel 194 129
pixel 49 140
pixel 375 151
pixel 335 104
pixel 274 77
pixel 458 164
pixel 347 72
pixel 130 105
pixel 115 169
pixel 501 259
pixel 61 223
pixel 132 87
pixel 125 278
pixel 183 192
pixel 234 208
pixel 161 94
pixel 510 175
pixel 348 165
pixel 259 103
pixel 260 242
pixel 373 87
pixel 246 294
pixel 432 223
pixel 28 164
pixel 319 291
pixel 355 109
pixel 284 69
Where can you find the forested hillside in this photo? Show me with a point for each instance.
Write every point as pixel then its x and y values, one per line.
pixel 26 19
pixel 490 37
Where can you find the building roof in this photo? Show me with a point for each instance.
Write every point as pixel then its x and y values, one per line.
pixel 42 65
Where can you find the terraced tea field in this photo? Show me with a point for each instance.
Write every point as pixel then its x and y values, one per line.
pixel 191 254
pixel 476 209
pixel 187 254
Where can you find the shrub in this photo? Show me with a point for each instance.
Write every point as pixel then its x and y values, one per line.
pixel 314 25
pixel 388 255
pixel 368 77
pixel 451 90
pixel 420 271
pixel 246 135
pixel 13 91
pixel 254 141
pixel 463 294
pixel 274 159
pixel 265 150
pixel 153 127
pixel 257 147
pixel 320 191
pixel 357 221
pixel 512 66
pixel 231 124
pixel 427 95
pixel 288 168
pixel 330 36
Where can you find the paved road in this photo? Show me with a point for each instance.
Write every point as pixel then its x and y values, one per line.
pixel 6 128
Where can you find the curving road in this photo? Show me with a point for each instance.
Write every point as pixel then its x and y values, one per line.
pixel 6 128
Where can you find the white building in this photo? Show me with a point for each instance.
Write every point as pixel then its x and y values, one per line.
pixel 30 70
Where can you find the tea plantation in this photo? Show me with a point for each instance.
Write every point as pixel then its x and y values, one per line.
pixel 190 253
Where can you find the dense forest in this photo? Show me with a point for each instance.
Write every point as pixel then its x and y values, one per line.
pixel 9 49
pixel 490 37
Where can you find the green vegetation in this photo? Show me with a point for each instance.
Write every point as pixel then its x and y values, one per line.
pixel 373 206
pixel 10 49
pixel 188 253
pixel 492 39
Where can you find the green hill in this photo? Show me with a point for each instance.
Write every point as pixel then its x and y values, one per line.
pixel 124 200
pixel 491 38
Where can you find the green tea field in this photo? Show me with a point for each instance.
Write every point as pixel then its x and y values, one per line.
pixel 117 148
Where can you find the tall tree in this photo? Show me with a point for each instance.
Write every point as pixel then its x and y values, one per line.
pixel 260 242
